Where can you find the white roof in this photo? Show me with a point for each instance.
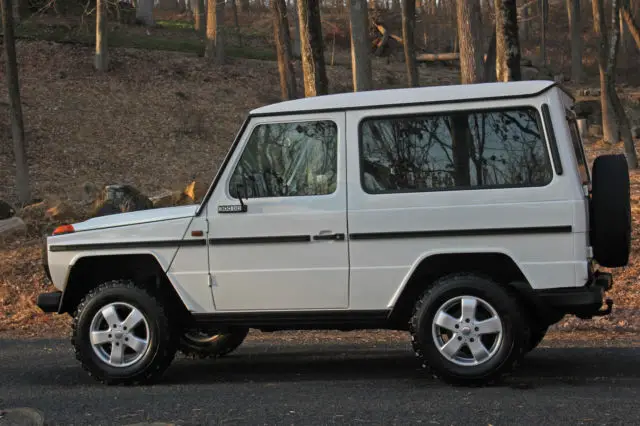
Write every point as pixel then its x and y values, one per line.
pixel 391 97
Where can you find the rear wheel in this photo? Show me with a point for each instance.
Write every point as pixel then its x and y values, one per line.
pixel 211 344
pixel 468 330
pixel 121 334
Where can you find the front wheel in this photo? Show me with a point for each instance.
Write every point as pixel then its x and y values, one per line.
pixel 468 330
pixel 122 335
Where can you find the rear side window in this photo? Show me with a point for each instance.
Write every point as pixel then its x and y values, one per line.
pixel 577 147
pixel 457 150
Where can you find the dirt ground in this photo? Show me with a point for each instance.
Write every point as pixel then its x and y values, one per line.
pixel 157 121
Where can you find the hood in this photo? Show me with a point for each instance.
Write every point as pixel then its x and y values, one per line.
pixel 137 217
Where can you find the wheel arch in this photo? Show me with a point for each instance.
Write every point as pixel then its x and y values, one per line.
pixel 499 266
pixel 143 268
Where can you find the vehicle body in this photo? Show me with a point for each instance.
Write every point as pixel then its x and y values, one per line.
pixel 463 214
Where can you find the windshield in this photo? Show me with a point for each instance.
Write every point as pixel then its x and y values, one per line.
pixel 578 148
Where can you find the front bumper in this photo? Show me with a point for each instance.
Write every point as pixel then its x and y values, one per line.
pixel 49 302
pixel 584 302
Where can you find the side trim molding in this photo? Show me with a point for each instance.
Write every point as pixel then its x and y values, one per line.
pixel 461 232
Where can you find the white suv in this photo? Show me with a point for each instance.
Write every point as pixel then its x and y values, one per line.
pixel 465 215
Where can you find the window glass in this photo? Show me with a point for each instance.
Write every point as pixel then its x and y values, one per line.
pixel 577 147
pixel 454 151
pixel 287 160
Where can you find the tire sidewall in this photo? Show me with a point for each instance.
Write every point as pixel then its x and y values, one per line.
pixel 512 338
pixel 140 301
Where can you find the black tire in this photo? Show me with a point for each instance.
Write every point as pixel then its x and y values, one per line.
pixel 515 330
pixel 163 341
pixel 212 345
pixel 536 337
pixel 610 209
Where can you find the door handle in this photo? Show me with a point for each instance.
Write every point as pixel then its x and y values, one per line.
pixel 328 237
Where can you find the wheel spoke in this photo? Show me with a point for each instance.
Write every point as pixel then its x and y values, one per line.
pixel 452 346
pixel 110 316
pixel 489 326
pixel 478 350
pixel 134 317
pixel 100 337
pixel 469 308
pixel 117 354
pixel 445 320
pixel 136 343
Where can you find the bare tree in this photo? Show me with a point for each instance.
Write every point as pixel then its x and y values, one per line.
pixel 198 17
pixel 623 121
pixel 312 50
pixel 408 25
pixel 543 11
pixel 573 10
pixel 102 55
pixel 470 36
pixel 525 26
pixel 283 49
pixel 631 26
pixel 610 129
pixel 507 42
pixel 360 59
pixel 15 107
pixel 214 48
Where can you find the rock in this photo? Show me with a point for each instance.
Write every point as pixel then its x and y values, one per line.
pixel 12 226
pixel 115 199
pixel 529 73
pixel 595 130
pixel 6 211
pixel 635 131
pixel 591 92
pixel 524 62
pixel 60 212
pixel 560 78
pixel 165 199
pixel 21 416
pixel 591 110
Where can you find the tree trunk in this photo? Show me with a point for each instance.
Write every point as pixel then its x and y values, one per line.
pixel 144 12
pixel 102 55
pixel 470 36
pixel 573 10
pixel 543 9
pixel 632 26
pixel 507 43
pixel 408 24
pixel 15 107
pixel 360 59
pixel 623 121
pixel 236 22
pixel 214 48
pixel 524 28
pixel 312 49
pixel 610 128
pixel 198 17
pixel 490 59
pixel 295 45
pixel 283 49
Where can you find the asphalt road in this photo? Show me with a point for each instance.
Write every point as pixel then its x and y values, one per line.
pixel 310 384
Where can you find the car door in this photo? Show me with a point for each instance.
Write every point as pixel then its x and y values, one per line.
pixel 277 221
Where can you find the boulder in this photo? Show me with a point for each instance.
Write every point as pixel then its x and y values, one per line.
pixel 12 226
pixel 165 199
pixel 60 212
pixel 589 109
pixel 635 131
pixel 6 211
pixel 595 130
pixel 115 199
pixel 529 73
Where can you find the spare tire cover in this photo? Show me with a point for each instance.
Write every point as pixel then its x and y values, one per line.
pixel 610 208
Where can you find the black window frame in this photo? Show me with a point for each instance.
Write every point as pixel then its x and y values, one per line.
pixel 539 122
pixel 248 132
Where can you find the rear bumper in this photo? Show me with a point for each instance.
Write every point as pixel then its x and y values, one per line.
pixel 49 302
pixel 584 302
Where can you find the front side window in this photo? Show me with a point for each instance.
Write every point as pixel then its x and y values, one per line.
pixel 458 150
pixel 288 160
